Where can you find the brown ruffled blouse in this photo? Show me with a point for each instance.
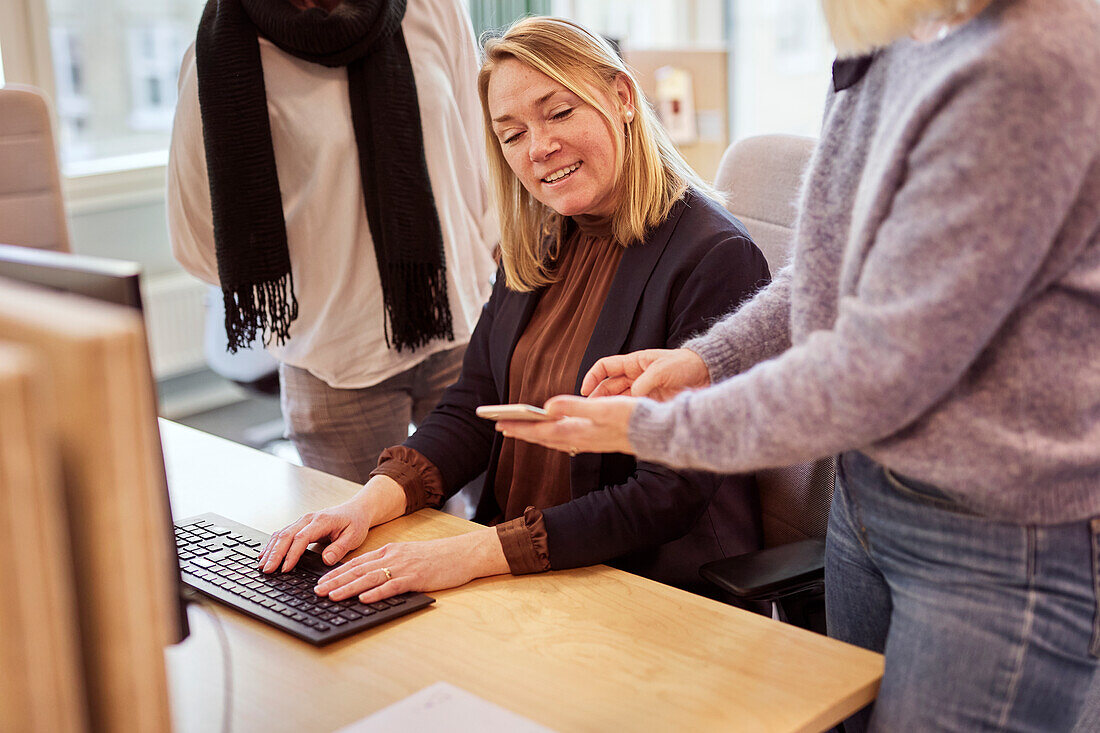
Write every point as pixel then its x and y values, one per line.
pixel 545 363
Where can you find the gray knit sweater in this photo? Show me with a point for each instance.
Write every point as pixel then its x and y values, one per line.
pixel 942 309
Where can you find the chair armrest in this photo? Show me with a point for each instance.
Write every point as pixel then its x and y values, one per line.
pixel 772 573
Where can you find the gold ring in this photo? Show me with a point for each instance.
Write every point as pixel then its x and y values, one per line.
pixel 572 452
pixel 389 575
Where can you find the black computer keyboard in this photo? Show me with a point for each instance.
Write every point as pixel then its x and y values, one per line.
pixel 218 557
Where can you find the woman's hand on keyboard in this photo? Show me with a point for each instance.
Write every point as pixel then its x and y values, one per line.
pixel 344 526
pixel 416 566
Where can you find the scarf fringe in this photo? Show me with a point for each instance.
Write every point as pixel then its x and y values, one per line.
pixel 422 319
pixel 265 308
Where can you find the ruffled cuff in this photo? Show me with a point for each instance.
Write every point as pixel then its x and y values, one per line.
pixel 523 540
pixel 421 480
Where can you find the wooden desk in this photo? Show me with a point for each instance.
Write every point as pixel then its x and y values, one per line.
pixel 593 649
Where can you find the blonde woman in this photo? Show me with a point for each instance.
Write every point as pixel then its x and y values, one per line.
pixel 610 244
pixel 939 330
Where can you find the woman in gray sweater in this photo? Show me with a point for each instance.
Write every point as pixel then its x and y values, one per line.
pixel 939 329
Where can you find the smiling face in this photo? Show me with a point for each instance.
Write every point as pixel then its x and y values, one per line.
pixel 559 147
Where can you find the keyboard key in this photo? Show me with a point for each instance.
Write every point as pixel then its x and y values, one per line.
pixel 395 601
pixel 379 606
pixel 219 531
pixel 350 615
pixel 337 621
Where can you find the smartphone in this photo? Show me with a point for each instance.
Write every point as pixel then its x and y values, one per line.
pixel 513 412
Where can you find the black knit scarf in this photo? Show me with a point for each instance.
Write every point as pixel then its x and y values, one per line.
pixel 249 229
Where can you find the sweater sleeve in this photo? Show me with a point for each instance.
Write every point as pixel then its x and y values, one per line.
pixel 755 332
pixel 990 173
pixel 190 221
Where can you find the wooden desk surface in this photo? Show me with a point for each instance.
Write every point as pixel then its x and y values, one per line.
pixel 592 649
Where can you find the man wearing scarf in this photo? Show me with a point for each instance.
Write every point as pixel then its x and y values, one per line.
pixel 327 171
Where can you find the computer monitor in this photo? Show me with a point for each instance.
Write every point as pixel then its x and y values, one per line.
pixel 39 643
pixel 113 281
pixel 127 574
pixel 101 278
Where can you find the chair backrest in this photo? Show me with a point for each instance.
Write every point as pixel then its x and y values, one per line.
pixel 32 210
pixel 761 177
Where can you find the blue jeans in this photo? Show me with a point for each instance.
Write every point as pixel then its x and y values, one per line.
pixel 985 625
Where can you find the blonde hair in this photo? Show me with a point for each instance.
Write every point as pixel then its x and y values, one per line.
pixel 860 26
pixel 652 175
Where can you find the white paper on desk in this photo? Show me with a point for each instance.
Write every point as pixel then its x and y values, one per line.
pixel 444 707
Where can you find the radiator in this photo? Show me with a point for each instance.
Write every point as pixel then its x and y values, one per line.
pixel 174 318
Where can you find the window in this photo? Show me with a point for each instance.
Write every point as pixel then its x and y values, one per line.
pixel 774 72
pixel 651 24
pixel 70 97
pixel 153 60
pixel 115 64
pixel 493 14
pixel 782 62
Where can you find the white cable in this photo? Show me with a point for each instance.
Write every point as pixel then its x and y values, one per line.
pixel 227 662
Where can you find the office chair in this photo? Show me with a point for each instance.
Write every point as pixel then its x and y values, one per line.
pixel 32 210
pixel 761 177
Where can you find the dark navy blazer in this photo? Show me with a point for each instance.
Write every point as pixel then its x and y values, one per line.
pixel 695 267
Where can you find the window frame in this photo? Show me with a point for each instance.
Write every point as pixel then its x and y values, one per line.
pixel 27 59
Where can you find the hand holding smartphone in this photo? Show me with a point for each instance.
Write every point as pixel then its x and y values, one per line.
pixel 513 412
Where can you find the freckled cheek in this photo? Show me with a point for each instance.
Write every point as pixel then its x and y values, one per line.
pixel 519 168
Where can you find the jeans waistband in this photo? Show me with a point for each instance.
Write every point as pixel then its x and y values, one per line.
pixel 859 463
